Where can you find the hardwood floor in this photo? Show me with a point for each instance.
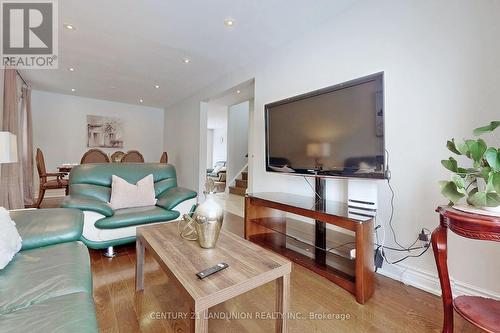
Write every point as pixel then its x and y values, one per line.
pixel 394 307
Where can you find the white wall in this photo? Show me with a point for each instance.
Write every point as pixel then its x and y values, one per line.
pixel 210 148
pixel 217 124
pixel 237 139
pixel 219 149
pixel 440 60
pixel 60 127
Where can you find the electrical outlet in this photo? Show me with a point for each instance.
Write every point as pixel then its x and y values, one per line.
pixel 423 236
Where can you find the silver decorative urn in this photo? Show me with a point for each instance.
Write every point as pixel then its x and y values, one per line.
pixel 208 218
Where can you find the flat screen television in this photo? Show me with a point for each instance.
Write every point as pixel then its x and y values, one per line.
pixel 337 131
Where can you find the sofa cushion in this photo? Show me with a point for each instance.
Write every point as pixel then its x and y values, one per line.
pixel 126 195
pixel 40 274
pixel 44 227
pixel 134 216
pixel 10 241
pixel 68 313
pixel 174 196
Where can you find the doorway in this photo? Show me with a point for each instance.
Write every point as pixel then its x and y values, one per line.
pixel 226 150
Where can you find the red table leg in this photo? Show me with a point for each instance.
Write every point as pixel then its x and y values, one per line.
pixel 439 245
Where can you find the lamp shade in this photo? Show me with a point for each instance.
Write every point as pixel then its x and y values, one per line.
pixel 8 147
pixel 318 150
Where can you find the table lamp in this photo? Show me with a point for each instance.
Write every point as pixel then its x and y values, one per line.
pixel 8 147
pixel 317 151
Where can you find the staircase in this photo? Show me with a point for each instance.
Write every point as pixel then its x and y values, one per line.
pixel 240 186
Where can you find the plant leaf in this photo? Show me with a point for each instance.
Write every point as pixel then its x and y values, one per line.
pixel 470 195
pixel 492 156
pixel 463 149
pixel 476 149
pixel 494 181
pixel 484 199
pixel 462 171
pixel 452 147
pixel 450 164
pixel 459 181
pixel 488 128
pixel 485 173
pixel 451 192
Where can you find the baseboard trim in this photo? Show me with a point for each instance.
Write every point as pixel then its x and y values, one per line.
pixel 430 282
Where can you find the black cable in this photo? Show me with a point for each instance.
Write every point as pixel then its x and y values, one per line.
pixel 404 248
pixel 406 257
pixel 392 216
pixel 401 250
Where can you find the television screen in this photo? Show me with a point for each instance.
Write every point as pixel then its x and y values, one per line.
pixel 336 131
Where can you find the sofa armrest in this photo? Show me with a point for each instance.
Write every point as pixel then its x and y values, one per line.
pixel 174 196
pixel 85 203
pixel 42 227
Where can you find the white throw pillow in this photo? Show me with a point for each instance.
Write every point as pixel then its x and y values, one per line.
pixel 10 241
pixel 126 195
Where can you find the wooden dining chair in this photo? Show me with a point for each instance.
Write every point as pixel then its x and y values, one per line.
pixel 94 156
pixel 133 156
pixel 164 157
pixel 117 156
pixel 46 183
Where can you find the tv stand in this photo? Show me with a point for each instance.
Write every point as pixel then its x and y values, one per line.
pixel 335 246
pixel 320 227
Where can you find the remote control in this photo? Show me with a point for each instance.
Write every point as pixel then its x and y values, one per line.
pixel 209 271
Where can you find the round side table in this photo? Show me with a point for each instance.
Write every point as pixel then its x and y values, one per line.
pixel 480 311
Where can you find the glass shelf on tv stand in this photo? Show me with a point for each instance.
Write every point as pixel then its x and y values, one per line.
pixel 298 236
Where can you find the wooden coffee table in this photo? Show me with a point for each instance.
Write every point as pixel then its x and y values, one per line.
pixel 250 266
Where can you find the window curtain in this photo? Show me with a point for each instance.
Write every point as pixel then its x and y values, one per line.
pixel 11 193
pixel 26 160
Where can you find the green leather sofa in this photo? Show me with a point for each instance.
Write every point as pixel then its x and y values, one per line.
pixel 47 287
pixel 90 191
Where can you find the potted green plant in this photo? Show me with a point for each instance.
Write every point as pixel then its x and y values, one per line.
pixel 480 182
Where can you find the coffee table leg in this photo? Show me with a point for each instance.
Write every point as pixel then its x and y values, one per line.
pixel 282 302
pixel 199 321
pixel 139 267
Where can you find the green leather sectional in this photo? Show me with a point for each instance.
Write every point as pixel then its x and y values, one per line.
pixel 47 287
pixel 90 191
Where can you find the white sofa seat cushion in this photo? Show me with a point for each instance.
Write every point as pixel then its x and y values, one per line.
pixel 10 241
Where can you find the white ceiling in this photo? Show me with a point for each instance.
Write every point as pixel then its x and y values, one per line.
pixel 218 106
pixel 121 48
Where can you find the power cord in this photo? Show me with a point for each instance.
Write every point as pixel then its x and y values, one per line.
pixel 381 247
pixel 312 188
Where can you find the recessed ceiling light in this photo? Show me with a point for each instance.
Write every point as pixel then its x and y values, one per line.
pixel 157 86
pixel 71 69
pixel 141 100
pixel 228 22
pixel 186 60
pixel 112 87
pixel 69 26
pixel 73 89
pixel 238 91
